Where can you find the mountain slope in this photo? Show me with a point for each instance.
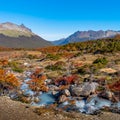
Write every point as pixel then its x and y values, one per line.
pixel 19 36
pixel 58 42
pixel 80 36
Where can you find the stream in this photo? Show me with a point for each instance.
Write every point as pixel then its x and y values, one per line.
pixel 46 98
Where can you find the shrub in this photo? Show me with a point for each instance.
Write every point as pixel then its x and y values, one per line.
pixel 78 54
pixel 84 69
pixel 53 56
pixel 54 67
pixel 4 62
pixel 13 64
pixel 103 61
pixel 117 61
pixel 8 79
pixel 32 56
pixel 37 82
pixel 16 69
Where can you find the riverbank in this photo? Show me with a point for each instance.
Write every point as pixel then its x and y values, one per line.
pixel 14 110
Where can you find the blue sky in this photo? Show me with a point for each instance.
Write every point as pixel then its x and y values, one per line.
pixel 55 19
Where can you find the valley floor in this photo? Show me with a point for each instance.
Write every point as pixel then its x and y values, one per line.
pixel 13 110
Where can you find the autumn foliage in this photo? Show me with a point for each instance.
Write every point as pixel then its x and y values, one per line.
pixel 37 82
pixel 4 62
pixel 115 86
pixel 50 49
pixel 65 80
pixel 8 79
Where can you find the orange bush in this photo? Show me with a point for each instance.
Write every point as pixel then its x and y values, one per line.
pixel 4 62
pixel 37 84
pixel 8 79
pixel 38 81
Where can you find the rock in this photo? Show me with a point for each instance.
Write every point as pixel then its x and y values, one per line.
pixel 54 92
pixel 88 88
pixel 106 94
pixel 62 98
pixel 115 110
pixel 85 89
pixel 23 91
pixel 48 81
pixel 85 93
pixel 53 88
pixel 76 90
pixel 36 99
pixel 109 95
pixel 28 98
pixel 20 92
pixel 66 92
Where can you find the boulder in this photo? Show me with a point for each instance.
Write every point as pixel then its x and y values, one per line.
pixel 85 93
pixel 76 90
pixel 89 88
pixel 84 89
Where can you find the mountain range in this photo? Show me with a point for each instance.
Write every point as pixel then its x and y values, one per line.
pixel 19 36
pixel 80 36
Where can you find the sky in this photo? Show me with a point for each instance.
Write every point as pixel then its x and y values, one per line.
pixel 56 19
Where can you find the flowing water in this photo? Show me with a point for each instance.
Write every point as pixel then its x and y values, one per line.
pixel 46 98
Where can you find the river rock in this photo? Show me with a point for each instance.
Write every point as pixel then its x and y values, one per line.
pixel 20 92
pixel 88 88
pixel 36 99
pixel 107 94
pixel 54 92
pixel 66 92
pixel 76 90
pixel 62 98
pixel 53 88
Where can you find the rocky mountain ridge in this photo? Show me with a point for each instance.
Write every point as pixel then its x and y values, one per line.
pixel 19 36
pixel 80 36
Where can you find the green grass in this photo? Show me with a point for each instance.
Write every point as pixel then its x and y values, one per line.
pixel 14 33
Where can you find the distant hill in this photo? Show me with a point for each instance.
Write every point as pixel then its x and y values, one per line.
pixel 80 36
pixel 58 42
pixel 19 36
pixel 99 46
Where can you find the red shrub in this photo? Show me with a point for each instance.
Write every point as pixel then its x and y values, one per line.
pixel 115 86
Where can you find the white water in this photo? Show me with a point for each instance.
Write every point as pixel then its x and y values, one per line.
pixel 45 98
pixel 94 104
